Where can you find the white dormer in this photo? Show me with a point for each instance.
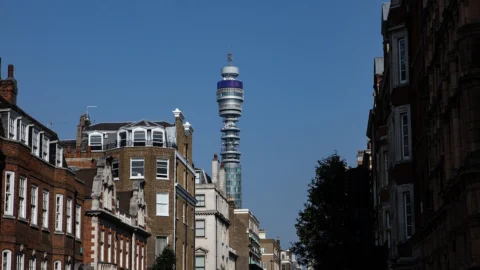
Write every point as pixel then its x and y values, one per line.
pixel 139 136
pixel 158 137
pixel 95 141
pixel 59 156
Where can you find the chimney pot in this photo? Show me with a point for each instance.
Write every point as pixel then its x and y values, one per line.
pixel 10 71
pixel 222 165
pixel 215 157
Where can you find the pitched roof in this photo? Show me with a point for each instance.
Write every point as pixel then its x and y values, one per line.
pixel 107 126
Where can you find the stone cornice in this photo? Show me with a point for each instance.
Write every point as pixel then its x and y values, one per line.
pixel 184 194
pixel 215 213
pixel 110 216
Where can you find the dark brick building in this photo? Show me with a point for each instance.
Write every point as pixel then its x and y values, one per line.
pixel 426 94
pixel 41 199
pixel 158 155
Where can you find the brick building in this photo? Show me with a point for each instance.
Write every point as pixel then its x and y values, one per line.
pixel 41 199
pixel 158 155
pixel 244 237
pixel 270 249
pixel 213 250
pixel 426 90
pixel 288 261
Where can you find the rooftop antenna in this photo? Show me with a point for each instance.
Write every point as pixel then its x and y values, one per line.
pixel 87 115
pixel 230 58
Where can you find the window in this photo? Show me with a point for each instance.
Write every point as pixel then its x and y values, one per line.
pixel 45 204
pixel 136 256
pixel 405 135
pixel 23 133
pixel 69 215
pixel 123 139
pixel 127 253
pixel 96 142
pixel 121 253
pixel 57 265
pixel 387 219
pixel 200 228
pixel 385 162
pixel 11 128
pixel 22 194
pixel 115 249
pixel 142 261
pixel 408 213
pixel 35 148
pixel 59 156
pixel 109 247
pixel 139 138
pixel 45 144
pixel 9 192
pixel 136 168
pixel 33 205
pixel 20 261
pixel 160 244
pixel 262 250
pixel 157 138
pixel 6 260
pixel 184 210
pixel 162 168
pixel 115 169
pixel 78 216
pixel 43 265
pixel 32 264
pixel 200 262
pixel 162 204
pixel 58 213
pixel 200 200
pixel 102 248
pixel 402 66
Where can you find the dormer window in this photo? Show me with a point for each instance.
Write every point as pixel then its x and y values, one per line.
pixel 35 148
pixel 59 156
pixel 45 144
pixel 23 133
pixel 139 137
pixel 157 138
pixel 11 128
pixel 123 138
pixel 95 142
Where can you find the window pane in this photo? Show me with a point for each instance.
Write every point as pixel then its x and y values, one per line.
pixel 199 261
pixel 96 139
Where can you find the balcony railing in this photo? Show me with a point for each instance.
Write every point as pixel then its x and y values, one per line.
pixel 125 218
pixel 106 266
pixel 127 143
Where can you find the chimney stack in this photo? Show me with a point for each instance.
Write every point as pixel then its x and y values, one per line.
pixel 222 181
pixel 215 169
pixel 8 87
pixel 10 72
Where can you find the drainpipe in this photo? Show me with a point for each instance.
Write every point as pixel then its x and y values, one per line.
pixel 216 235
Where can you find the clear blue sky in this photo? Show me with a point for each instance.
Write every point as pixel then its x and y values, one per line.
pixel 307 68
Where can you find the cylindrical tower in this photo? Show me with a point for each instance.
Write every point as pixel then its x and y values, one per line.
pixel 230 99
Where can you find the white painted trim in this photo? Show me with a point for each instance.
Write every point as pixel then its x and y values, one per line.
pixel 158 129
pixel 137 159
pixel 184 161
pixel 11 205
pixel 168 204
pixel 95 133
pixel 139 129
pixel 168 168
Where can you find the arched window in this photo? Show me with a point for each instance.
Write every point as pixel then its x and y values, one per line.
pixel 57 265
pixel 95 141
pixel 157 138
pixel 6 260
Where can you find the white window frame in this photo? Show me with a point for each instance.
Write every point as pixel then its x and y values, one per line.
pixel 20 260
pixel 45 147
pixel 59 155
pixel 117 169
pixel 163 176
pixel 131 168
pixel 34 205
pixel 162 202
pixel 159 130
pixel 197 228
pixel 11 127
pixel 109 247
pixel 43 265
pixel 45 208
pixel 57 265
pixel 78 220
pixel 22 197
pixel 6 259
pixel 9 191
pixel 201 257
pixel 95 134
pixel 35 142
pixel 139 130
pixel 395 64
pixel 68 213
pixel 23 132
pixel 202 196
pixel 102 246
pixel 59 213
pixel 157 248
pixel 32 263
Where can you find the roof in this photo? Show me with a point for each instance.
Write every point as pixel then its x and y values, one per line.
pixel 378 66
pixel 87 176
pixel 117 125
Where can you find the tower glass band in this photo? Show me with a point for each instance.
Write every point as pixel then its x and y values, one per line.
pixel 230 99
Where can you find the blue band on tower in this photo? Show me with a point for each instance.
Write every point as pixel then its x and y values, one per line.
pixel 230 84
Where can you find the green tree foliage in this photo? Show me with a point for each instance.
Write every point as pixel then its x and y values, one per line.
pixel 166 260
pixel 321 225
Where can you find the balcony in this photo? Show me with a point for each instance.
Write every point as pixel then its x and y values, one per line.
pixel 106 266
pixel 125 218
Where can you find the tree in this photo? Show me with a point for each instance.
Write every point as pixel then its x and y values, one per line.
pixel 321 225
pixel 166 260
